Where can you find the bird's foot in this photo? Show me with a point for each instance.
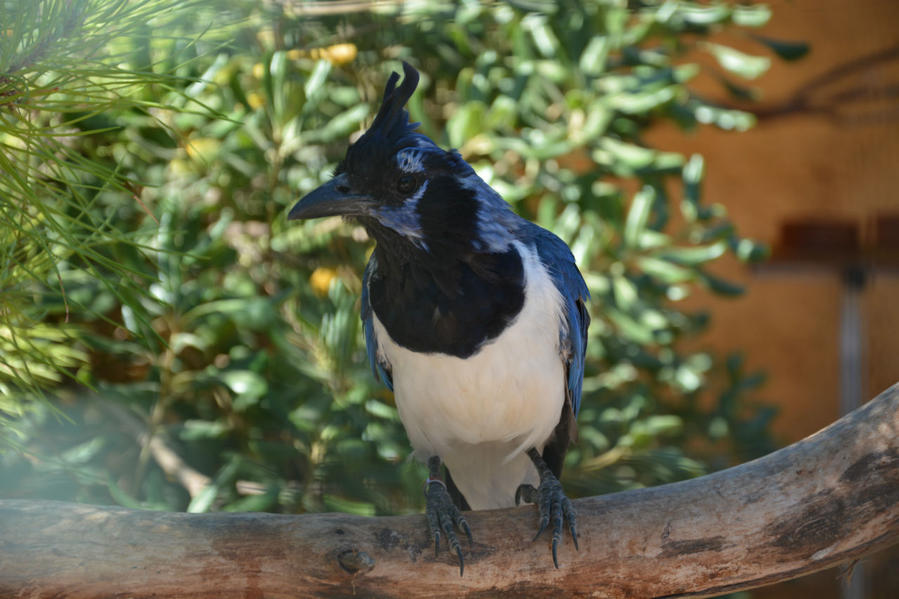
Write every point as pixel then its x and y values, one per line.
pixel 552 504
pixel 443 515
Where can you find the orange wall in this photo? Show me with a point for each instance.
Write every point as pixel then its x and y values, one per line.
pixel 803 165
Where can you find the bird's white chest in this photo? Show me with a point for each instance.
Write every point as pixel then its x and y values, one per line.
pixel 479 414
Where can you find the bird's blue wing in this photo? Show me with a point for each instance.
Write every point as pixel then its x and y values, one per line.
pixel 557 258
pixel 379 367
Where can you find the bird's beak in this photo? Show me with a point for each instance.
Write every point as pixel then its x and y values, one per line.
pixel 334 198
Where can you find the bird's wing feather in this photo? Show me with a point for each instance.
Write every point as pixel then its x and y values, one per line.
pixel 379 366
pixel 558 260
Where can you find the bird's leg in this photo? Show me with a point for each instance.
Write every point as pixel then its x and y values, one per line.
pixel 551 501
pixel 442 513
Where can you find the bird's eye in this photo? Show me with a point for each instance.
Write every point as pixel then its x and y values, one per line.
pixel 405 184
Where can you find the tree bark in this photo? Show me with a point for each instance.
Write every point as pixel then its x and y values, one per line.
pixel 827 499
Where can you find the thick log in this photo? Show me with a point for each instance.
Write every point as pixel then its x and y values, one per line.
pixel 830 498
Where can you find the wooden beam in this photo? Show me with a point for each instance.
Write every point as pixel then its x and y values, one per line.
pixel 828 499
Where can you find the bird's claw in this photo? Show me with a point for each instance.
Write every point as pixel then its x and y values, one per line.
pixel 443 515
pixel 553 506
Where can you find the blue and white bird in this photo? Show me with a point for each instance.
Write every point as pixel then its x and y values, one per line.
pixel 475 317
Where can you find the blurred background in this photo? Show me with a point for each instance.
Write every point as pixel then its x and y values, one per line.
pixel 725 174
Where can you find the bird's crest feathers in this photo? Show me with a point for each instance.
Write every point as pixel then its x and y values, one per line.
pixel 392 120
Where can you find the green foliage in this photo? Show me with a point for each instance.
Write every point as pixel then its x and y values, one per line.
pixel 59 82
pixel 235 341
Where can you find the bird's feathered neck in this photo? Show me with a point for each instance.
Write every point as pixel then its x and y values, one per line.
pixel 394 248
pixel 455 220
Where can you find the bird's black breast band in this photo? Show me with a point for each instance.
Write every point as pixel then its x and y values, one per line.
pixel 452 309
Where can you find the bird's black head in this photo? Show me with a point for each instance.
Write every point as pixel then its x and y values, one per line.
pixel 400 185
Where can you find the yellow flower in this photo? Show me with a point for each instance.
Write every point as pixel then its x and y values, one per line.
pixel 321 279
pixel 337 54
pixel 203 149
pixel 255 100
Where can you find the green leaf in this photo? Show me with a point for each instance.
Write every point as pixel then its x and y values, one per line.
pixel 629 327
pixel 664 270
pixel 638 215
pixel 194 90
pixel 84 452
pixel 697 14
pixel 740 92
pixel 380 410
pixel 750 251
pixel 314 87
pixel 785 49
pixel 725 118
pixel 640 103
pixel 720 286
pixel 751 15
pixel 262 502
pixel 694 255
pixel 316 80
pixel 544 38
pixel 193 430
pixel 347 506
pixel 664 424
pixel 465 122
pixel 344 123
pixel 502 114
pixel 692 174
pixel 737 62
pixel 593 58
pixel 626 294
pixel 123 498
pixel 202 502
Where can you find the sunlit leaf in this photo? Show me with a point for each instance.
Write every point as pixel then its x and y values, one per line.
pixel 638 215
pixel 751 15
pixel 737 62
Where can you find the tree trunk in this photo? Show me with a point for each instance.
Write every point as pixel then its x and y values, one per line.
pixel 828 499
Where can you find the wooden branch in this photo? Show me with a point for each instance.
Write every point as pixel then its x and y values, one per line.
pixel 837 94
pixel 828 499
